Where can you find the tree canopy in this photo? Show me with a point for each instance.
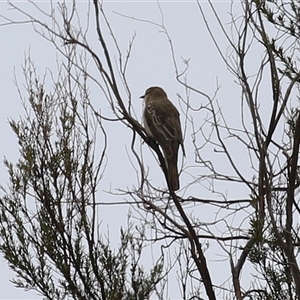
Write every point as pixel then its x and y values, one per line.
pixel 52 207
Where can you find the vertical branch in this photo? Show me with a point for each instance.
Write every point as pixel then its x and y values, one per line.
pixel 196 250
pixel 292 176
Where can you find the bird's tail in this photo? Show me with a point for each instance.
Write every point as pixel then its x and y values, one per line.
pixel 173 174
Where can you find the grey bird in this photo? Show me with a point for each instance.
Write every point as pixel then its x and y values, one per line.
pixel 162 123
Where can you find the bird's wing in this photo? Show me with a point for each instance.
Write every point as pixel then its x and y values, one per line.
pixel 164 124
pixel 165 118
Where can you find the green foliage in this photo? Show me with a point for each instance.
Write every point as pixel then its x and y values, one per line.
pixel 49 227
pixel 268 257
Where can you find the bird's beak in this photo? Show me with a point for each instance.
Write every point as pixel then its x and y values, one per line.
pixel 142 97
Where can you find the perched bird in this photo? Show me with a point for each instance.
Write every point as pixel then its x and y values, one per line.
pixel 162 123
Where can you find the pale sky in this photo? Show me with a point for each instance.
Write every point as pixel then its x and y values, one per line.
pixel 150 64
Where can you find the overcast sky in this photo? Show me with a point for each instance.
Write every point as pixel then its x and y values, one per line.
pixel 150 64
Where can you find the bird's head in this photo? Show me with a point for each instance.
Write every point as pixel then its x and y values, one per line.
pixel 154 91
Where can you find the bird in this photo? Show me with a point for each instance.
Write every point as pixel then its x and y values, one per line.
pixel 162 124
